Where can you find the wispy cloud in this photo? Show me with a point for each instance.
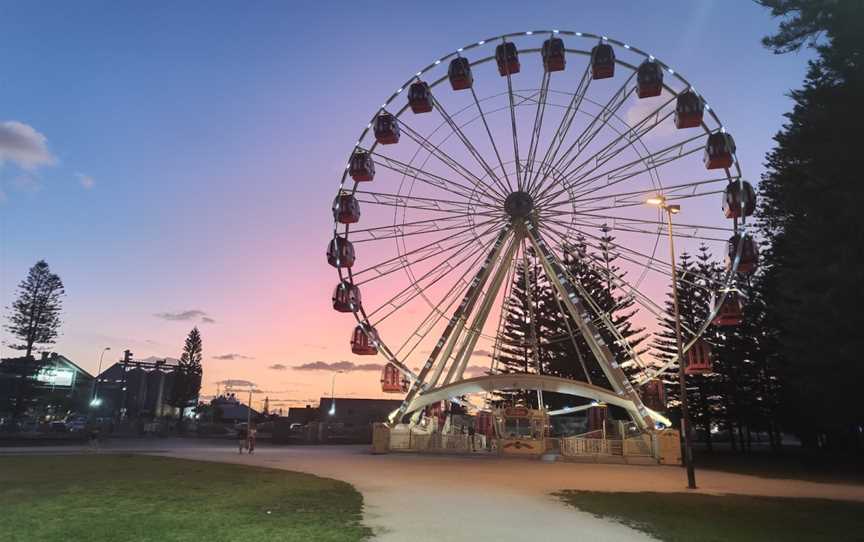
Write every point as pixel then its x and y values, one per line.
pixel 278 367
pixel 86 181
pixel 346 366
pixel 185 316
pixel 232 357
pixel 484 353
pixel 237 383
pixel 22 145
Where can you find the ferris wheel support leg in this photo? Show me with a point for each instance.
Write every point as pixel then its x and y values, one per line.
pixel 456 324
pixel 620 384
pixel 457 369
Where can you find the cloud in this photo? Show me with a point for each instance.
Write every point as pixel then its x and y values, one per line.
pixel 237 383
pixel 232 357
pixel 346 366
pixel 185 316
pixel 22 145
pixel 278 367
pixel 86 181
pixel 484 353
pixel 640 109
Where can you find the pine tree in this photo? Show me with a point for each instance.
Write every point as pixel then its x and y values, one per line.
pixel 693 307
pixel 35 314
pixel 187 376
pixel 811 218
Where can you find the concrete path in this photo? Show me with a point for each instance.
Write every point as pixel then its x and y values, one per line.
pixel 420 498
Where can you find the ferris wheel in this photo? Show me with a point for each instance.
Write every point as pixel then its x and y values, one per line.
pixel 527 144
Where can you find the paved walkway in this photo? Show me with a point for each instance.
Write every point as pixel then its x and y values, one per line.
pixel 420 498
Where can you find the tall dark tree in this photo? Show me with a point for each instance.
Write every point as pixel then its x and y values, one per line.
pixel 187 376
pixel 810 216
pixel 34 317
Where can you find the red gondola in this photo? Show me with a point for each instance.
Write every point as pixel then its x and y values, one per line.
pixel 346 297
pixel 340 252
pixel 739 199
pixel 731 312
pixel 507 58
pixel 688 110
pixel 749 253
pixel 420 97
pixel 392 380
pixel 363 341
pixel 654 394
pixel 602 61
pixel 346 208
pixel 698 361
pixel 361 167
pixel 459 74
pixel 649 79
pixel 386 129
pixel 719 151
pixel 553 55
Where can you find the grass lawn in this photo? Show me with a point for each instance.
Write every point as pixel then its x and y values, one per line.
pixel 137 498
pixel 701 518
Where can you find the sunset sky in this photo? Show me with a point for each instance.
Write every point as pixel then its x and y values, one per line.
pixel 175 163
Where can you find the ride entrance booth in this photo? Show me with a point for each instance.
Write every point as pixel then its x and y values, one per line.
pixel 521 431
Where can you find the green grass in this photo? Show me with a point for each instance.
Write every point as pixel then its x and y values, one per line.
pixel 675 517
pixel 136 498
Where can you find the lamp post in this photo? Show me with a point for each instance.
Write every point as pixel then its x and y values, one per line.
pixel 332 410
pixel 95 401
pixel 660 201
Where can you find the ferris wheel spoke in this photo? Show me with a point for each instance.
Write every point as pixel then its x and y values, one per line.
pixel 513 125
pixel 552 207
pixel 537 128
pixel 645 261
pixel 564 126
pixel 398 232
pixel 436 248
pixel 430 179
pixel 658 222
pixel 640 195
pixel 420 284
pixel 450 162
pixel 626 171
pixel 590 132
pixel 491 139
pixel 624 140
pixel 629 170
pixel 633 229
pixel 470 146
pixel 400 201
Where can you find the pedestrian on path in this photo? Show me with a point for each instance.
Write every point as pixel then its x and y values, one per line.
pixel 253 432
pixel 243 437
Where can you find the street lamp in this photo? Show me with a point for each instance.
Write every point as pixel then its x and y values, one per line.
pixel 660 201
pixel 95 401
pixel 332 411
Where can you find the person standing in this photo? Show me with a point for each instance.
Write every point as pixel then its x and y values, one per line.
pixel 471 432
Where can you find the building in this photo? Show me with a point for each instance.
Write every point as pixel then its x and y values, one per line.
pixel 350 420
pixel 55 382
pixel 137 388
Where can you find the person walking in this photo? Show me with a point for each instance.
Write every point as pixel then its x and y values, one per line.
pixel 243 437
pixel 471 433
pixel 253 432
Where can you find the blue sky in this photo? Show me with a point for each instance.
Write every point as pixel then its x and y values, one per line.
pixel 183 155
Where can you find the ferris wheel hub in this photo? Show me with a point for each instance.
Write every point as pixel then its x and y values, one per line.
pixel 519 204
